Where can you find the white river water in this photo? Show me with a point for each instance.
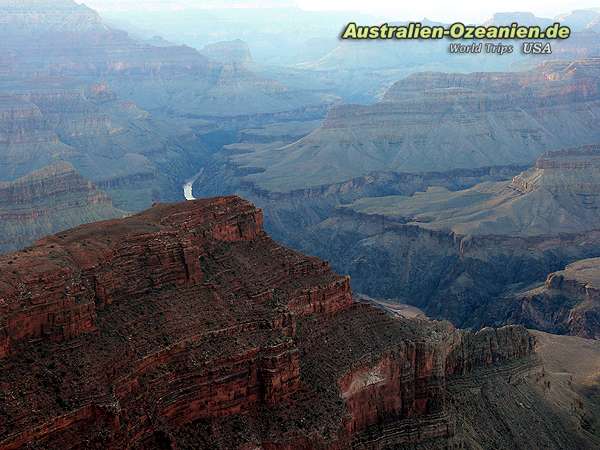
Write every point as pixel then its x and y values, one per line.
pixel 188 186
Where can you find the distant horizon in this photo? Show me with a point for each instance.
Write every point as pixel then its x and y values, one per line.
pixel 459 10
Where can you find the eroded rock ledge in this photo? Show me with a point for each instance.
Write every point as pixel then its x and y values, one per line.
pixel 568 302
pixel 46 201
pixel 186 326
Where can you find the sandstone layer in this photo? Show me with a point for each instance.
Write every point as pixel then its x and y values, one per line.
pixel 186 326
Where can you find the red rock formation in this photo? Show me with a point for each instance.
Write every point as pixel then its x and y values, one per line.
pixel 385 389
pixel 393 377
pixel 142 332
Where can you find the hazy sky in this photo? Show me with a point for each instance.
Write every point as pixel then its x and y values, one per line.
pixel 443 10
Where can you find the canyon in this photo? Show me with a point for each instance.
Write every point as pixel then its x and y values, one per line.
pixel 107 140
pixel 463 238
pixel 134 118
pixel 467 255
pixel 434 121
pixel 67 42
pixel 463 206
pixel 566 303
pixel 245 344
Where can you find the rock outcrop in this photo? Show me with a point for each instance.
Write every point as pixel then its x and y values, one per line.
pixel 435 121
pixel 461 255
pixel 109 141
pixel 234 52
pixel 50 200
pixel 187 326
pixel 567 303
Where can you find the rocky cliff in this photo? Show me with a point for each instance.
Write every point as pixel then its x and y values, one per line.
pixel 460 254
pixel 65 42
pixel 187 326
pixel 435 121
pixel 46 201
pixel 567 302
pixel 109 141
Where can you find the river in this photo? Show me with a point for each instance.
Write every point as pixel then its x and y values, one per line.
pixel 189 184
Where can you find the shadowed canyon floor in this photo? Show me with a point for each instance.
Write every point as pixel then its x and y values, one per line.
pixel 464 254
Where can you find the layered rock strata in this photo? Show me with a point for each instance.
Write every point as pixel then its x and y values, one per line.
pixel 187 326
pixel 49 200
pixel 434 121
pixel 568 302
pixel 460 255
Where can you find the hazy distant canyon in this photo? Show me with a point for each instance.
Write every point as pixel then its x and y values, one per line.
pixel 465 186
